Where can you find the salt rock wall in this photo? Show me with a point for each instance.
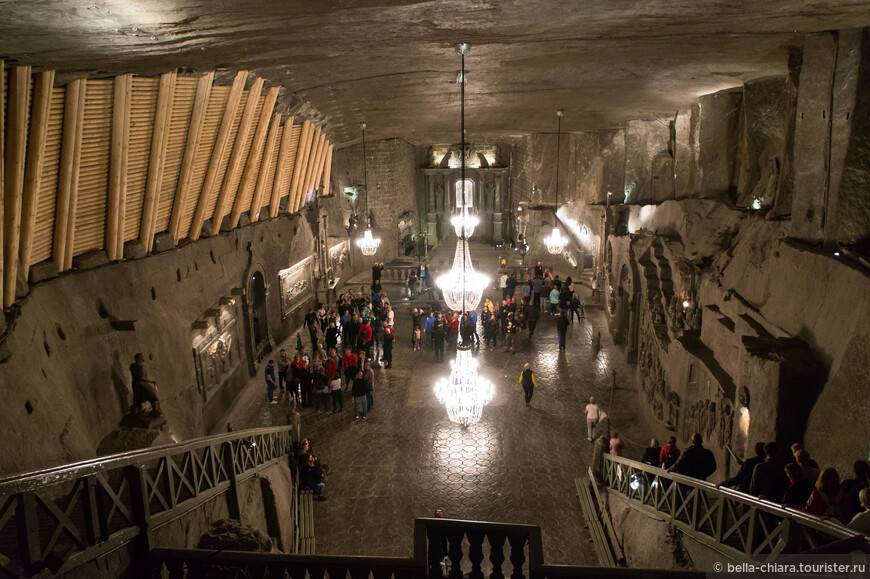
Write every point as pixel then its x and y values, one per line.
pixel 65 368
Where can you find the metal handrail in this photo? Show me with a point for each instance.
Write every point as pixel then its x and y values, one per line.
pixel 20 482
pixel 719 517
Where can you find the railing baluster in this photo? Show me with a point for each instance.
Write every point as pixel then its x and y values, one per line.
pixel 496 554
pixel 518 555
pixel 475 553
pixel 28 530
pixel 436 552
pixel 455 551
pixel 233 492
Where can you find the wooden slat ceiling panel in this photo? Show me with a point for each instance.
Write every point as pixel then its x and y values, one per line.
pixel 270 178
pixel 179 122
pixel 217 102
pixel 248 194
pixel 142 109
pixel 225 160
pixel 45 205
pixel 90 217
pixel 290 160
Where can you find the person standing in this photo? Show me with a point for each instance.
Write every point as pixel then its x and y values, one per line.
pixel 359 396
pixel 369 376
pixel 698 462
pixel 428 328
pixel 466 330
pixel 562 329
pixel 365 337
pixel 473 316
pixel 438 337
pixel 539 270
pixel 502 283
pixel 511 286
pixel 389 338
pixel 530 314
pixel 616 444
pixel 575 307
pixel 423 275
pixel 270 382
pixel 283 362
pixel 377 268
pixel 593 415
pixel 527 380
pixel 333 375
pixel 510 333
pixel 303 373
pixel 554 300
pixel 416 322
pixel 348 364
pixel 537 288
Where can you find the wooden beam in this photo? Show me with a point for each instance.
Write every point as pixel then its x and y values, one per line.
pixel 122 101
pixel 302 153
pixel 237 159
pixel 318 168
pixel 194 134
pixel 39 116
pixel 255 155
pixel 279 170
pixel 157 159
pixel 327 171
pixel 304 186
pixel 318 153
pixel 268 155
pixel 68 180
pixel 223 137
pixel 13 175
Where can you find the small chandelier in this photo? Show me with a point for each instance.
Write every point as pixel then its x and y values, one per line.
pixel 464 393
pixel 464 222
pixel 367 244
pixel 555 242
pixel 462 286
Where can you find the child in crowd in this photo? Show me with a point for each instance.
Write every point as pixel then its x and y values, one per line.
pixel 416 338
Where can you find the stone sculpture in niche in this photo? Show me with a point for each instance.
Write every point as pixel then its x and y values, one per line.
pixel 295 286
pixel 144 388
pixel 439 197
pixel 673 410
pixel 489 196
pixel 656 311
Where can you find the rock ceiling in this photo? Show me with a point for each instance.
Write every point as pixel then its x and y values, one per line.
pixel 392 62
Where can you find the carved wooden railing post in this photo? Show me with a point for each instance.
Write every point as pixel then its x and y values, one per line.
pixel 229 458
pixel 141 507
pixel 28 531
pixel 437 550
pixel 455 553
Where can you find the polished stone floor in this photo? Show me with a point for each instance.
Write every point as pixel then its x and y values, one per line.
pixel 516 465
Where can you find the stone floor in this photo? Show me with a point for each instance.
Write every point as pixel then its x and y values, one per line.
pixel 516 465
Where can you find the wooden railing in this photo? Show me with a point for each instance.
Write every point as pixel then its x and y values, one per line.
pixel 60 518
pixel 733 523
pixel 454 548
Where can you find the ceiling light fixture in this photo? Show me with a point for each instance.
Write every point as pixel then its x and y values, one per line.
pixel 367 244
pixel 464 393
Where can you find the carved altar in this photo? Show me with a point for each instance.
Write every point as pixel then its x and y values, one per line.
pixel 216 352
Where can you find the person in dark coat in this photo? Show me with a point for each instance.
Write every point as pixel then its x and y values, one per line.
pixel 768 478
pixel 652 453
pixel 799 487
pixel 562 328
pixel 696 461
pixel 466 329
pixel 530 315
pixel 389 338
pixel 306 385
pixel 377 268
pixel 311 478
pixel 438 337
pixel 743 478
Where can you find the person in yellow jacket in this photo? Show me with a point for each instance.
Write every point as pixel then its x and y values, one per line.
pixel 527 380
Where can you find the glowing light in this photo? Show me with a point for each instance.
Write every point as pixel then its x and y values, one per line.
pixel 743 421
pixel 462 286
pixel 464 393
pixel 836 254
pixel 555 242
pixel 756 204
pixel 686 304
pixel 367 244
pixel 635 482
pixel 464 220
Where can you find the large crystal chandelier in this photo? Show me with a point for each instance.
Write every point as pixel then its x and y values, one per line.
pixel 462 286
pixel 464 393
pixel 555 242
pixel 368 244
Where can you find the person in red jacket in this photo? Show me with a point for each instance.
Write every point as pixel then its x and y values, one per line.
pixel 365 337
pixel 348 364
pixel 454 331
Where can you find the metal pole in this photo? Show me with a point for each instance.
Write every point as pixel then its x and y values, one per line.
pixel 463 48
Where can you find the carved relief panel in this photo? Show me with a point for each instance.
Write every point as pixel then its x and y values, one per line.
pixel 296 286
pixel 217 353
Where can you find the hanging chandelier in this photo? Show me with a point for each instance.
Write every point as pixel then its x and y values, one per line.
pixel 462 286
pixel 556 242
pixel 464 393
pixel 367 244
pixel 464 222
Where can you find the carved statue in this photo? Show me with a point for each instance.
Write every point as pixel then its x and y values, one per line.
pixel 439 197
pixel 144 389
pixel 673 410
pixel 656 311
pixel 489 197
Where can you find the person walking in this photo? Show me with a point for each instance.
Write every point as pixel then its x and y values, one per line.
pixel 593 415
pixel 562 329
pixel 369 375
pixel 530 314
pixel 389 338
pixel 554 300
pixel 270 382
pixel 348 363
pixel 527 380
pixel 333 374
pixel 283 362
pixel 502 283
pixel 698 462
